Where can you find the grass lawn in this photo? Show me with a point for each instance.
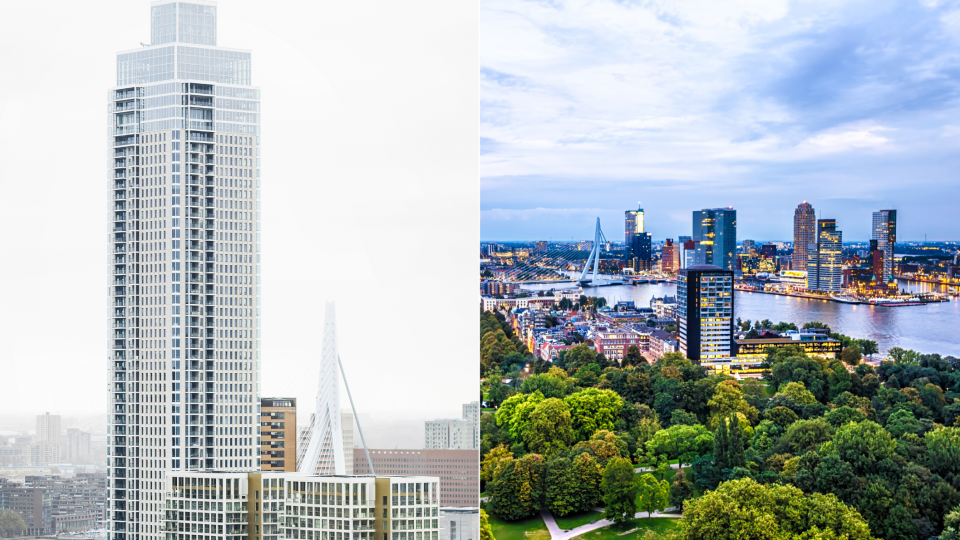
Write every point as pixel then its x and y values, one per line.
pixel 616 532
pixel 526 529
pixel 573 521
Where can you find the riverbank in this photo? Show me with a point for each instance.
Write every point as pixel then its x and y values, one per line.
pixel 879 302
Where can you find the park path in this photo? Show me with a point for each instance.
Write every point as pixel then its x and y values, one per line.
pixel 556 533
pixel 648 469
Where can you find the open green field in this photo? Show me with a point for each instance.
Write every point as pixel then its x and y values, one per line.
pixel 619 532
pixel 526 529
pixel 576 520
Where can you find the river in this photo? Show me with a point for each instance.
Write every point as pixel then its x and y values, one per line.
pixel 932 328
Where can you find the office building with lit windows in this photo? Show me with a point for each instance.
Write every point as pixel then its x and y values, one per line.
pixel 705 312
pixel 824 258
pixel 715 237
pixel 638 254
pixel 884 231
pixel 183 193
pixel 804 233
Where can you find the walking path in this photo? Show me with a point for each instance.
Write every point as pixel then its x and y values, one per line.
pixel 648 469
pixel 556 533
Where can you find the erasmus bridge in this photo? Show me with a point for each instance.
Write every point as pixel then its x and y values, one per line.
pixel 564 264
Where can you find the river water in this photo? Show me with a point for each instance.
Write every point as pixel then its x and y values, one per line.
pixel 931 328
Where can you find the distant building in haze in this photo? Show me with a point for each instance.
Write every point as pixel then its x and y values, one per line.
pixel 639 250
pixel 459 470
pixel 804 233
pixel 824 261
pixel 688 250
pixel 885 233
pixel 705 312
pixel 47 441
pixel 670 260
pixel 715 232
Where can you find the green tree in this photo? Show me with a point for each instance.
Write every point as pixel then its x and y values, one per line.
pixel 798 392
pixel 518 489
pixel 902 422
pixel 547 384
pixel 653 494
pixel 863 445
pixel 486 531
pixel 943 450
pixel 804 435
pixel 745 509
pixel 781 416
pixel 633 357
pixel 589 477
pixel 579 355
pixel 816 325
pixel 851 355
pixel 735 443
pixel 11 524
pixel 549 428
pixel 619 488
pixel 593 409
pixel 561 487
pixel 682 442
pixel 728 399
pixel 681 490
pixel 682 417
pixel 493 462
pixel 868 346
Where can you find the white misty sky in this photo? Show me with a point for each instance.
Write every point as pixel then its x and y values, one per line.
pixel 369 187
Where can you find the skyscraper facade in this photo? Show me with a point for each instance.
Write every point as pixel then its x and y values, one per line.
pixel 638 254
pixel 670 258
pixel 705 312
pixel 804 233
pixel 633 224
pixel 824 258
pixel 885 233
pixel 184 264
pixel 715 234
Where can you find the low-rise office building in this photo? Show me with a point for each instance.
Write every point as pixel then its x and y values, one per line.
pixel 278 434
pixel 213 505
pixel 814 344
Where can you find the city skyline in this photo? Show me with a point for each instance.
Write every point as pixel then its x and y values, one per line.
pixel 698 105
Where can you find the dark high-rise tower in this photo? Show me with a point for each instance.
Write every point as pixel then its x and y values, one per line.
pixel 705 312
pixel 639 252
pixel 804 232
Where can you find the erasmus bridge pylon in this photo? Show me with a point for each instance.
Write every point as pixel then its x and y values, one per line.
pixel 598 240
pixel 325 452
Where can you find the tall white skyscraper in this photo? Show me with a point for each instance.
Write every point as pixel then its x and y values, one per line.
pixel 184 264
pixel 325 452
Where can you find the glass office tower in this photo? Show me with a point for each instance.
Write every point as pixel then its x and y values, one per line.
pixel 715 234
pixel 885 233
pixel 184 263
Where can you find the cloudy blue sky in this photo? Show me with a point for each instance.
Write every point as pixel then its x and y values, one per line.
pixel 589 107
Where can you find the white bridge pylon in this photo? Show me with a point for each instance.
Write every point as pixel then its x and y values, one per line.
pixel 598 239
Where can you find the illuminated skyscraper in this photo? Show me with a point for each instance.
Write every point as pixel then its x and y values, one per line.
pixel 705 312
pixel 184 264
pixel 885 233
pixel 633 224
pixel 804 233
pixel 715 234
pixel 824 260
